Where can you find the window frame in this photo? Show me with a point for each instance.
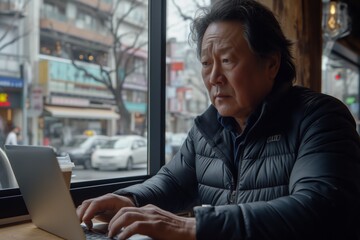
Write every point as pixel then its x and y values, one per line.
pixel 11 201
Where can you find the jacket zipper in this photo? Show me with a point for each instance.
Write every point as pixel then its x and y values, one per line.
pixel 235 182
pixel 233 196
pixel 234 193
pixel 238 181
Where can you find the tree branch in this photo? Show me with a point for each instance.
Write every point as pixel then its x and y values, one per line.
pixel 12 26
pixel 134 4
pixel 182 14
pixel 13 40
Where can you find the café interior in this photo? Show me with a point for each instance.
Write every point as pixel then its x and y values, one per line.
pixel 326 36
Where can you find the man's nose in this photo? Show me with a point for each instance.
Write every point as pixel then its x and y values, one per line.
pixel 216 75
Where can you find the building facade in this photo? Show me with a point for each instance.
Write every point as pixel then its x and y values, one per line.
pixel 73 35
pixel 13 66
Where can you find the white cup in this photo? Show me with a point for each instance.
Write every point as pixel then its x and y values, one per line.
pixel 66 167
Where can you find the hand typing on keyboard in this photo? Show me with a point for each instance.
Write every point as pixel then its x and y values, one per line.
pixel 126 220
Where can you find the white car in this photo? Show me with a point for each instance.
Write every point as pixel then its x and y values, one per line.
pixel 121 152
pixel 81 147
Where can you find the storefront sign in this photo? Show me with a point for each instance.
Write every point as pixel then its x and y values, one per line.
pixel 36 100
pixel 4 102
pixel 11 82
pixel 10 100
pixel 69 101
pixel 65 71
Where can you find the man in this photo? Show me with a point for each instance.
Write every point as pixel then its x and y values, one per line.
pixel 267 160
pixel 11 138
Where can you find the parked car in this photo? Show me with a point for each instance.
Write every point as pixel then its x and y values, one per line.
pixel 121 152
pixel 81 147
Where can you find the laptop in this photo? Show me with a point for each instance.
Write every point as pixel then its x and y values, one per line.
pixel 45 193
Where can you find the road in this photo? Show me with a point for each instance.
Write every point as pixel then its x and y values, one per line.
pixel 79 174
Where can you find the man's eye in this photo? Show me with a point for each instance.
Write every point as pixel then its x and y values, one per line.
pixel 204 63
pixel 225 60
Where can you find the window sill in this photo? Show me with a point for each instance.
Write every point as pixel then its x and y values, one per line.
pixel 12 205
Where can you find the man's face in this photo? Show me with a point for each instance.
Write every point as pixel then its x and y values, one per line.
pixel 236 79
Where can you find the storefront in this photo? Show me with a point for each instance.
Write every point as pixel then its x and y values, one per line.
pixel 61 123
pixel 10 104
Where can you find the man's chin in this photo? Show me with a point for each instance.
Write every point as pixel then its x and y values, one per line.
pixel 224 112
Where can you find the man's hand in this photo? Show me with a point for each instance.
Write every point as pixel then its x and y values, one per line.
pixel 153 222
pixel 102 208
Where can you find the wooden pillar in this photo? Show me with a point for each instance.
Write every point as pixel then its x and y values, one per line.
pixel 301 23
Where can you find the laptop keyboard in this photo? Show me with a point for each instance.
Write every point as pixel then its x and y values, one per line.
pixel 98 234
pixel 90 235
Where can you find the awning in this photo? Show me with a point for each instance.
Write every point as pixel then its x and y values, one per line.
pixel 83 113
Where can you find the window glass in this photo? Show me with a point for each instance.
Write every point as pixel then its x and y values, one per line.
pixel 185 95
pixel 78 78
pixel 341 79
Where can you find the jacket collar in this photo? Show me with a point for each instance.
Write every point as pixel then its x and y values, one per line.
pixel 209 125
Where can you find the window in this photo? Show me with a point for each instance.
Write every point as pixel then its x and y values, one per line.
pixel 341 77
pixel 67 113
pixel 186 96
pixel 139 65
pixel 85 20
pixel 52 10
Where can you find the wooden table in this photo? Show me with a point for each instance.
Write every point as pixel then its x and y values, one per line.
pixel 24 230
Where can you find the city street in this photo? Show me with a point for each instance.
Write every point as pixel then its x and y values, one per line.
pixel 80 174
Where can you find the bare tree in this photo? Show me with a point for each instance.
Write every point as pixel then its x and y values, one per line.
pixel 123 52
pixel 189 57
pixel 12 24
pixel 197 3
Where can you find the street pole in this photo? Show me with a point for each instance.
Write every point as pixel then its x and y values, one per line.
pixel 24 68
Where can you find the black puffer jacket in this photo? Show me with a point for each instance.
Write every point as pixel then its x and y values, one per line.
pixel 298 175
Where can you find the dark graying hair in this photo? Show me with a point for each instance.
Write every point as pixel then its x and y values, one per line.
pixel 261 30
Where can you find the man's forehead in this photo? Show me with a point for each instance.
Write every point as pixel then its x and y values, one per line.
pixel 222 44
pixel 223 34
pixel 224 29
pixel 218 46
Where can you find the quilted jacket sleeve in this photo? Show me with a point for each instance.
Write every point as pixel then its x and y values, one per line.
pixel 173 188
pixel 324 188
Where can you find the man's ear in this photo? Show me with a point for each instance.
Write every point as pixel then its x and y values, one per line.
pixel 274 64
